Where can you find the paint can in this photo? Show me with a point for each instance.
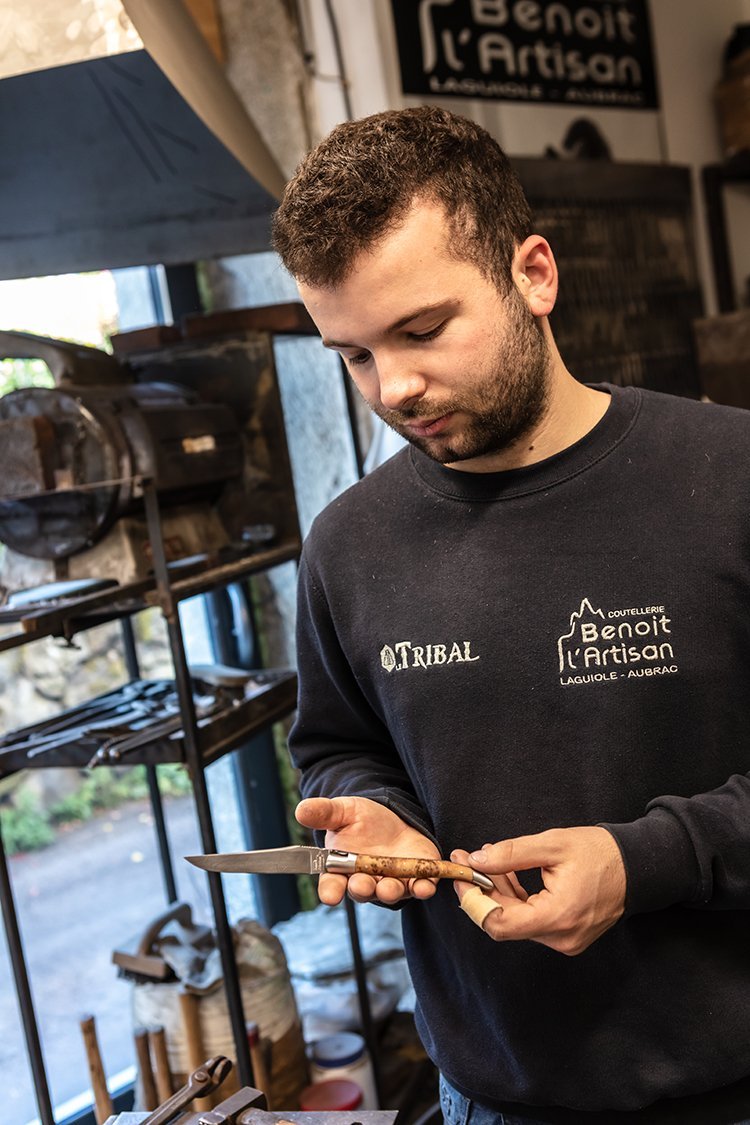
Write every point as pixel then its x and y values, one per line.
pixel 332 1094
pixel 344 1056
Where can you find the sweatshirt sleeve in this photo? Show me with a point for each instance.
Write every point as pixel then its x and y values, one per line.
pixel 338 743
pixel 694 851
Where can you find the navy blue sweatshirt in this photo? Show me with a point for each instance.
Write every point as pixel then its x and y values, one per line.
pixel 492 655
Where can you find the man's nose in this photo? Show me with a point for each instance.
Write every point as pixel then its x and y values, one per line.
pixel 400 384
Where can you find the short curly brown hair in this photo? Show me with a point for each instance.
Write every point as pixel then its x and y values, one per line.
pixel 360 181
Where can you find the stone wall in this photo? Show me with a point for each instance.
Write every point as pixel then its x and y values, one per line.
pixel 44 678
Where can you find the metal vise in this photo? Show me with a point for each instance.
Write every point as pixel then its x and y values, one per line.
pixel 245 1107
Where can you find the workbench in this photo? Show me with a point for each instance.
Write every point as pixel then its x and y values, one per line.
pixel 266 1117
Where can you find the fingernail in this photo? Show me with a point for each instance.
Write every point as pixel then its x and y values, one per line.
pixel 478 857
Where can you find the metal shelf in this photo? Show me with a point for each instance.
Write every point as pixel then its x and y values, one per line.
pixel 273 696
pixel 197 726
pixel 197 741
pixel 74 615
pixel 201 734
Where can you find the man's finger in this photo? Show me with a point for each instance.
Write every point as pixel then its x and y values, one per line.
pixel 478 905
pixel 390 891
pixel 330 813
pixel 535 920
pixel 501 917
pixel 520 854
pixel 422 888
pixel 331 889
pixel 506 884
pixel 361 887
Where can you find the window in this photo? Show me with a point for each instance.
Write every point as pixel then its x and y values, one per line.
pixel 85 871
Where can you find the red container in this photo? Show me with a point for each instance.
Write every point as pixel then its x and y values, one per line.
pixel 334 1093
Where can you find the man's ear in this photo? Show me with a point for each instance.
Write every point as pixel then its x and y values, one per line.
pixel 534 273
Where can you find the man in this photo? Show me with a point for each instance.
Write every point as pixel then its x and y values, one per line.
pixel 524 641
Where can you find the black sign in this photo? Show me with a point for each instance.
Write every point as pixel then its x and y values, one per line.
pixel 591 53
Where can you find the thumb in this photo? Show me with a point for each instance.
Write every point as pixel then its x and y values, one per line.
pixel 323 812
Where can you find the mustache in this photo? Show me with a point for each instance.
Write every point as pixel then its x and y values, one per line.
pixel 419 410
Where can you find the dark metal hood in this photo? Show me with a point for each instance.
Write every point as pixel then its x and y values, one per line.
pixel 106 165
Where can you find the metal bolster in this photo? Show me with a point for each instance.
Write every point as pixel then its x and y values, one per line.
pixel 341 862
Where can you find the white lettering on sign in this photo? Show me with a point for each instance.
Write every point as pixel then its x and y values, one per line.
pixel 608 21
pixel 551 56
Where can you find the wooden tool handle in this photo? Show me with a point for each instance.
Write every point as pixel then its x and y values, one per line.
pixel 102 1101
pixel 191 1023
pixel 148 1087
pixel 401 868
pixel 261 1077
pixel 162 1073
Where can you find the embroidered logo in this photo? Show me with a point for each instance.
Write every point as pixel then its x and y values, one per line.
pixel 601 647
pixel 406 654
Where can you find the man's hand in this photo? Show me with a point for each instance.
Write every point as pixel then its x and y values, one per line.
pixel 356 824
pixel 584 887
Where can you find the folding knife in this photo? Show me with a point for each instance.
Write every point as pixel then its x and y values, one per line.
pixel 303 860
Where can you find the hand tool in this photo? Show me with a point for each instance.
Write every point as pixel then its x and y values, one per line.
pixel 137 714
pixel 203 1080
pixel 148 1087
pixel 159 725
pixel 113 701
pixel 140 733
pixel 116 725
pixel 158 1043
pixel 300 859
pixel 191 1023
pixel 131 702
pixel 141 959
pixel 102 1101
pixel 261 1075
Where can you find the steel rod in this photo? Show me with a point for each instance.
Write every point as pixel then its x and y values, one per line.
pixel 200 790
pixel 162 838
pixel 23 993
pixel 157 805
pixel 132 664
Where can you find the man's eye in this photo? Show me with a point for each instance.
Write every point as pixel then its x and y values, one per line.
pixel 356 360
pixel 431 335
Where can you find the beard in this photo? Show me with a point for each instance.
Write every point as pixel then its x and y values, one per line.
pixel 507 402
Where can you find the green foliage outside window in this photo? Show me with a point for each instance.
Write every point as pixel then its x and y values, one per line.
pixel 27 826
pixel 18 373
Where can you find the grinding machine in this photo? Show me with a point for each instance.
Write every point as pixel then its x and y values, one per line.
pixel 74 458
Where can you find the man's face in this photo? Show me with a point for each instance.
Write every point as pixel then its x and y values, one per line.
pixel 455 367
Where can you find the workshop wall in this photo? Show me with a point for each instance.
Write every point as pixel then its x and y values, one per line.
pixel 688 40
pixel 264 61
pixel 302 69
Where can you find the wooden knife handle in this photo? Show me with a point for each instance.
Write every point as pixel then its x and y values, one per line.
pixel 401 868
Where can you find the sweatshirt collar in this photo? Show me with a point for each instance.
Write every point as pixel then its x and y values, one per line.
pixel 614 425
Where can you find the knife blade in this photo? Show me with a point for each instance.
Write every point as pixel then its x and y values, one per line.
pixel 301 859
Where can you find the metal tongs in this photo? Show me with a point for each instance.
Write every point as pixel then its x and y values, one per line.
pixel 204 1080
